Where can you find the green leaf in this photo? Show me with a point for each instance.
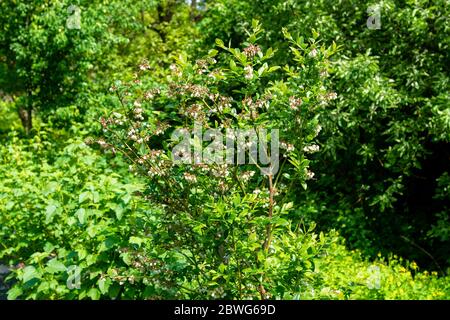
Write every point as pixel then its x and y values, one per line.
pixel 126 199
pixel 14 292
pixel 95 197
pixel 109 243
pixel 233 65
pixel 255 24
pixel 94 294
pixel 103 285
pixel 126 257
pixel 55 266
pixel 84 196
pixel 81 215
pixel 92 230
pixel 119 211
pixel 91 259
pixel 9 205
pixel 262 69
pixel 212 53
pixel 48 247
pixel 220 43
pixel 50 212
pixel 315 34
pixel 280 221
pixel 136 240
pixel 114 290
pixel 274 68
pixel 29 273
pixel 198 228
pixel 149 291
pixel 43 286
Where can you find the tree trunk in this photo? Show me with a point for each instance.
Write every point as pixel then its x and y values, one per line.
pixel 26 116
pixel 193 9
pixel 29 120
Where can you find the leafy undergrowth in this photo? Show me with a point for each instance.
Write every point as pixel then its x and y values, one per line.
pixel 69 209
pixel 73 227
pixel 347 274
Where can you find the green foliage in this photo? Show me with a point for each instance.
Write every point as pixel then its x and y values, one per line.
pixel 241 231
pixel 347 275
pixel 385 139
pixel 69 209
pixel 53 55
pixel 47 58
pixel 114 216
pixel 9 118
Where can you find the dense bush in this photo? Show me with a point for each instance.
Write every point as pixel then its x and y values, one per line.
pixel 61 208
pixel 385 139
pixel 235 219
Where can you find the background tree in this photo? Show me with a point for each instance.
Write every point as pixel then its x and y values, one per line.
pixel 54 52
pixel 385 144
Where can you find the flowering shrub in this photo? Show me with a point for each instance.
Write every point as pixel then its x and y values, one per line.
pixel 228 228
